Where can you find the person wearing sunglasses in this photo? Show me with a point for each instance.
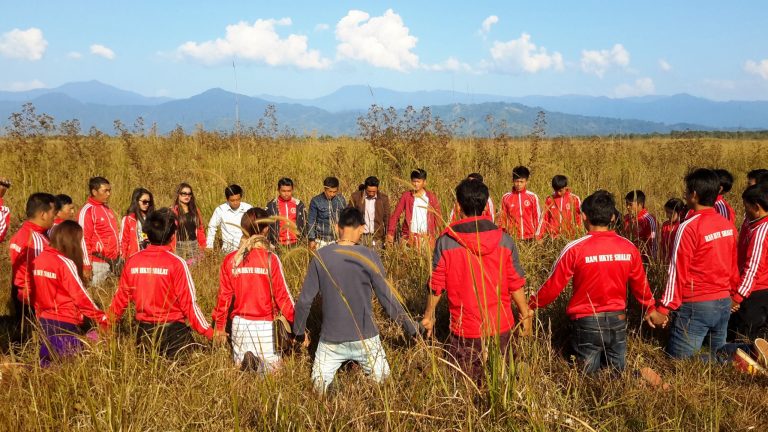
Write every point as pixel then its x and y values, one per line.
pixel 190 233
pixel 132 237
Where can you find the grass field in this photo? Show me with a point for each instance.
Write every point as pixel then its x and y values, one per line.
pixel 115 387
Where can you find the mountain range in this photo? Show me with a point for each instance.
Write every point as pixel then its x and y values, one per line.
pixel 98 104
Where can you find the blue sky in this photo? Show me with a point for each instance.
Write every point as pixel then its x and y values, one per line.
pixel 307 49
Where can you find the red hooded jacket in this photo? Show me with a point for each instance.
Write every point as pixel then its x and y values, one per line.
pixel 477 265
pixel 704 261
pixel 100 232
pixel 562 214
pixel 406 204
pixel 753 260
pixel 520 214
pixel 26 245
pixel 5 220
pixel 600 263
pixel 158 283
pixel 59 293
pixel 725 210
pixel 258 287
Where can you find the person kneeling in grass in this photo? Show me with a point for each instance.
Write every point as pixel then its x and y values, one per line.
pixel 601 264
pixel 344 273
pixel 158 283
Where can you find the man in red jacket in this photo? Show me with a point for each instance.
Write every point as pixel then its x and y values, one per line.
pixel 421 210
pixel 703 273
pixel 101 244
pixel 601 264
pixel 5 212
pixel 28 242
pixel 159 284
pixel 476 264
pixel 562 211
pixel 750 301
pixel 721 205
pixel 641 226
pixel 520 214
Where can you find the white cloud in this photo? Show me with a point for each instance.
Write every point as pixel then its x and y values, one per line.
pixel 522 55
pixel 641 87
pixel 258 43
pixel 485 27
pixel 26 44
pixel 322 27
pixel 102 51
pixel 598 62
pixel 664 65
pixel 74 55
pixel 451 64
pixel 756 68
pixel 18 86
pixel 382 41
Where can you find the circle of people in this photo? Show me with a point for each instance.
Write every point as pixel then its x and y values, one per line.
pixel 716 289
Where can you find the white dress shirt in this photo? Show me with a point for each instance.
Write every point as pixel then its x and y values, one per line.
pixel 419 217
pixel 229 221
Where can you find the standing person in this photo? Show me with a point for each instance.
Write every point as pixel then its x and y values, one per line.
pixel 703 272
pixel 476 264
pixel 421 213
pixel 227 217
pixel 489 210
pixel 65 210
pixel 132 237
pixel 287 230
pixel 5 212
pixel 640 226
pixel 750 302
pixel 101 242
pixel 674 209
pixel 252 288
pixel 601 264
pixel 60 299
pixel 721 205
pixel 374 205
pixel 520 214
pixel 190 234
pixel 345 274
pixel 29 242
pixel 159 285
pixel 324 212
pixel 562 210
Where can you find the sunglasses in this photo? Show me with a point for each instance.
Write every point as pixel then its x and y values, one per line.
pixel 145 202
pixel 185 193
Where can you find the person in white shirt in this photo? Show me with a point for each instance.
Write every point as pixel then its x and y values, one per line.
pixel 227 217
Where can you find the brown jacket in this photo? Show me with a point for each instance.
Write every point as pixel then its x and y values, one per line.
pixel 381 218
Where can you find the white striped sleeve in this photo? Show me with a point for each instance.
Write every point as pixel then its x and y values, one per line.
pixel 669 291
pixel 755 259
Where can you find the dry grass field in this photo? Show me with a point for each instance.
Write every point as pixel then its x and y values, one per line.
pixel 116 387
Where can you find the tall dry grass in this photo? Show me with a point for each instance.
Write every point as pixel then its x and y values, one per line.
pixel 116 387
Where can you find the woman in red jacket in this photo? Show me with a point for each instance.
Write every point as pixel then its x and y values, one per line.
pixel 60 299
pixel 253 275
pixel 190 235
pixel 132 237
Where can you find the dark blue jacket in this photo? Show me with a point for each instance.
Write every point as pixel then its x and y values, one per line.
pixel 323 217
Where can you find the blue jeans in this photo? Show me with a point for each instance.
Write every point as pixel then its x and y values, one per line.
pixel 696 321
pixel 330 356
pixel 600 341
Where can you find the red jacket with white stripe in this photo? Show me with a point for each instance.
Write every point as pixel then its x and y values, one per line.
pixel 668 230
pixel 724 209
pixel 703 265
pixel 478 267
pixel 100 232
pixel 642 230
pixel 159 284
pixel 520 214
pixel 562 215
pixel 258 287
pixel 753 260
pixel 59 293
pixel 601 264
pixel 131 236
pixel 5 220
pixel 406 205
pixel 25 246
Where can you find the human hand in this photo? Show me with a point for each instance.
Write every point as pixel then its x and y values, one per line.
pixel 428 323
pixel 656 318
pixel 312 245
pixel 219 337
pixel 390 239
pixel 88 274
pixel 526 319
pixel 735 306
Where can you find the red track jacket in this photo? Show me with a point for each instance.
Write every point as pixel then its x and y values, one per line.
pixel 724 209
pixel 562 214
pixel 158 283
pixel 252 284
pixel 520 215
pixel 58 292
pixel 406 204
pixel 5 220
pixel 477 265
pixel 753 260
pixel 25 246
pixel 668 230
pixel 642 230
pixel 100 232
pixel 703 265
pixel 601 263
pixel 131 236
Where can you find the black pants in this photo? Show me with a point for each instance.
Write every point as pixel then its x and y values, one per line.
pixel 751 320
pixel 167 339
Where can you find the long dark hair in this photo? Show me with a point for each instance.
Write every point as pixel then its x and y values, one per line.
pixel 67 238
pixel 134 207
pixel 192 206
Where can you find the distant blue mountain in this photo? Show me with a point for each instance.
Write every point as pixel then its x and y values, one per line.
pixel 94 92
